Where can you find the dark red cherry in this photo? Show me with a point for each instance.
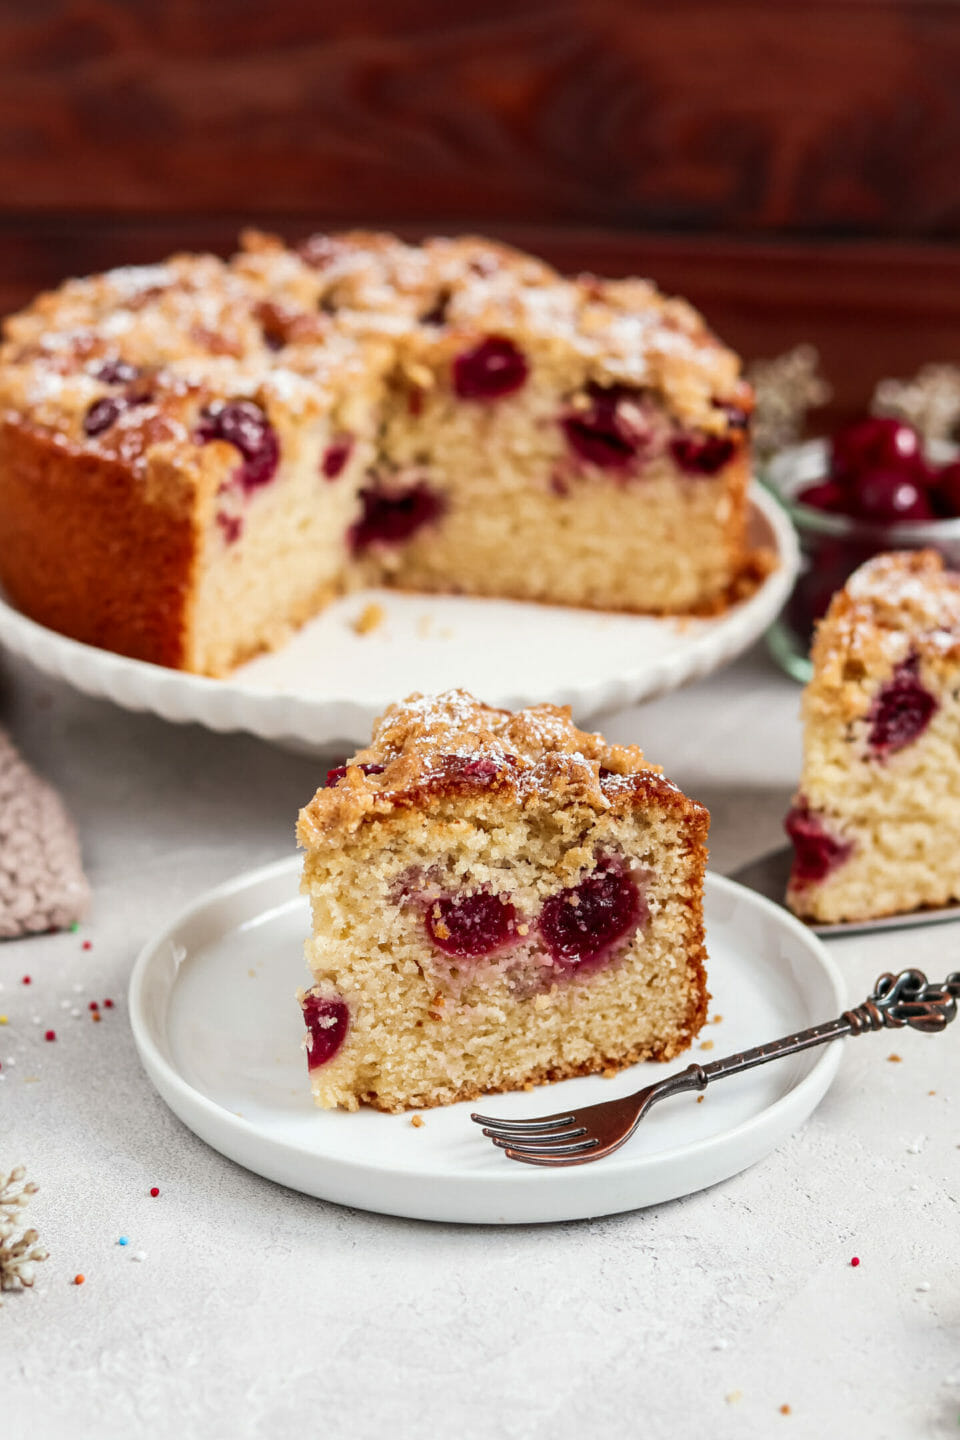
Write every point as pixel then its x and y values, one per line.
pixel 335 775
pixel 336 456
pixel 701 454
pixel 388 517
pixel 245 425
pixel 611 431
pixel 104 413
pixel 825 495
pixel 887 497
pixel 581 924
pixel 327 1020
pixel 468 767
pixel 231 525
pixel 876 443
pixel 901 711
pixel 492 369
pixel 475 925
pixel 946 494
pixel 816 853
pixel 117 372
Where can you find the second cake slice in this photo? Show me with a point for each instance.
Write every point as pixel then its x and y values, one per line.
pixel 498 899
pixel 875 823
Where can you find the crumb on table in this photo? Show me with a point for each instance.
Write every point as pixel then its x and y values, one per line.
pixel 416 1121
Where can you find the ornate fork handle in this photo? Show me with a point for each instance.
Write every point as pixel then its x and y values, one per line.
pixel 897 1000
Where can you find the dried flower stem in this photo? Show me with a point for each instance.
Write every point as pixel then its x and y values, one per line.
pixel 18 1254
pixel 785 388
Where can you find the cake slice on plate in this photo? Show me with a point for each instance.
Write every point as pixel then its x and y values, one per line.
pixel 876 821
pixel 498 900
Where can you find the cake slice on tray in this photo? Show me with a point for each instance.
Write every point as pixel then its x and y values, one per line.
pixel 223 447
pixel 875 823
pixel 498 900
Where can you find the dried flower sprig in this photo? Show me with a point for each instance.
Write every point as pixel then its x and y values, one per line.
pixel 785 389
pixel 930 401
pixel 18 1254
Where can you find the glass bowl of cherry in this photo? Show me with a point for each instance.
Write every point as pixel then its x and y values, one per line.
pixel 874 486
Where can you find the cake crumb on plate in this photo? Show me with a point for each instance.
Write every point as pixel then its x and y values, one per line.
pixel 371 617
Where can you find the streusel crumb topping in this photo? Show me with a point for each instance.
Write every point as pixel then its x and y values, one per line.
pixel 276 321
pixel 895 603
pixel 897 608
pixel 428 745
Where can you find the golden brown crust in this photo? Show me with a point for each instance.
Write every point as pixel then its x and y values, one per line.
pixel 97 507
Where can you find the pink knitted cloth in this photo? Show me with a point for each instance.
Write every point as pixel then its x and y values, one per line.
pixel 42 884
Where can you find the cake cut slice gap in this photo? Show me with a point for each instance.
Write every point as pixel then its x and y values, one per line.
pixel 499 899
pixel 875 823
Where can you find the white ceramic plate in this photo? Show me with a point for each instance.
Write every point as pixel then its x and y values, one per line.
pixel 218 1029
pixel 329 683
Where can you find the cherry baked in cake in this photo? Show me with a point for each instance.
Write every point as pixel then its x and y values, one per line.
pixel 498 899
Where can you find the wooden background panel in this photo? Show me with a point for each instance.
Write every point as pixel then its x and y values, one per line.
pixel 753 116
pixel 792 168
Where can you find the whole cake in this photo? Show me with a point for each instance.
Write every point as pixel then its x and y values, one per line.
pixel 196 456
pixel 498 899
pixel 876 822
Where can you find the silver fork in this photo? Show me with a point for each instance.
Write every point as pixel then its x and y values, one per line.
pixel 575 1137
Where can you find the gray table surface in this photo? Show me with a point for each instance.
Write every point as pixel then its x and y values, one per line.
pixel 257 1312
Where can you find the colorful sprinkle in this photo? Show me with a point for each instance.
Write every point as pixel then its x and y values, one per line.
pixel 96 1016
pixel 123 1239
pixel 25 980
pixel 87 945
pixel 784 1409
pixel 4 1020
pixel 895 1059
pixel 50 1035
pixel 154 1191
pixel 108 1004
pixel 79 1279
pixel 855 1261
pixel 138 1255
pixel 93 1005
pixel 74 927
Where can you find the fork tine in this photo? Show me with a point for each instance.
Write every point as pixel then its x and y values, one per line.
pixel 577 1148
pixel 548 1122
pixel 556 1162
pixel 517 1137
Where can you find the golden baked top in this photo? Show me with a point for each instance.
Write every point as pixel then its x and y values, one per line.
pixel 894 607
pixel 429 746
pixel 291 327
